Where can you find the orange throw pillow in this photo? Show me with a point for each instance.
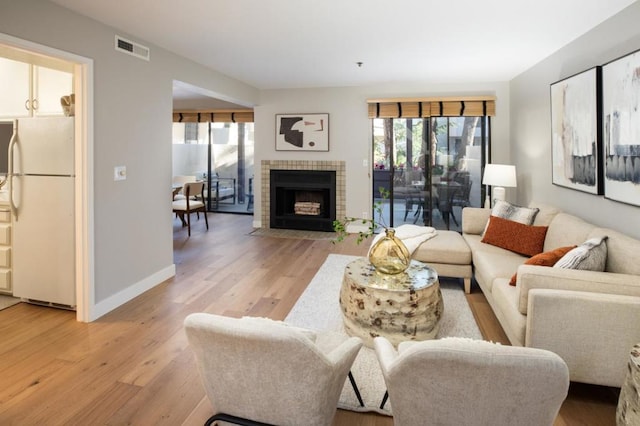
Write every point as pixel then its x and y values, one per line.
pixel 548 258
pixel 516 237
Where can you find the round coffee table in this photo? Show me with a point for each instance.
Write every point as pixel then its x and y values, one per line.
pixel 406 306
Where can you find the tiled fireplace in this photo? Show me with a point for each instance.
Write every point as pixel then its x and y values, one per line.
pixel 302 207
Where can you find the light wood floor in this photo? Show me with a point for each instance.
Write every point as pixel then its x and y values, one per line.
pixel 133 366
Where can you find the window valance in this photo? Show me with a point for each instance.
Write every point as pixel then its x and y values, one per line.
pixel 432 107
pixel 213 116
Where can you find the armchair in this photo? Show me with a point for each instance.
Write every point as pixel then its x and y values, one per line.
pixel 459 381
pixel 268 371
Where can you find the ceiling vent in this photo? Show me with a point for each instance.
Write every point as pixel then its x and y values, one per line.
pixel 131 48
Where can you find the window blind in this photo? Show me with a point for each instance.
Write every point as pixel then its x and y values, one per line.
pixel 432 107
pixel 214 116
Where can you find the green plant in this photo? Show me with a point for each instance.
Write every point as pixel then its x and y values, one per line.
pixel 340 226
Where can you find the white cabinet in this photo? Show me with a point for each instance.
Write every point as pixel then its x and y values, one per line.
pixel 31 90
pixel 49 86
pixel 5 250
pixel 15 84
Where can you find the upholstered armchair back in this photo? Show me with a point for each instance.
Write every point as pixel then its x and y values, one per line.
pixel 268 371
pixel 456 381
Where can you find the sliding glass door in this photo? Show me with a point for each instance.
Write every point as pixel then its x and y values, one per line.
pixel 431 168
pixel 220 154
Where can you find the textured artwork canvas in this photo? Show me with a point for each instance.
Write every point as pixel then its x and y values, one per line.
pixel 621 117
pixel 575 132
pixel 302 132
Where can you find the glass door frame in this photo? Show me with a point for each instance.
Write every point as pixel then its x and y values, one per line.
pixel 389 172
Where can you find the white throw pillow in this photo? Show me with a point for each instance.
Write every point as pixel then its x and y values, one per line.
pixel 506 210
pixel 588 256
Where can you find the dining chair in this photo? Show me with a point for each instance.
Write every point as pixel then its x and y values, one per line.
pixel 461 198
pixel 446 193
pixel 189 204
pixel 180 180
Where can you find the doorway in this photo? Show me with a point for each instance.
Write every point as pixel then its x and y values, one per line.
pixel 82 70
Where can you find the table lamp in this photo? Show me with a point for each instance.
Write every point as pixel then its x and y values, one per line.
pixel 498 176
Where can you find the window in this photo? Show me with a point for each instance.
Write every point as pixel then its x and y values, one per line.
pixel 221 154
pixel 431 166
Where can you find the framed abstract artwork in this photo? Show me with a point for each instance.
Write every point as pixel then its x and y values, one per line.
pixel 576 132
pixel 621 118
pixel 302 132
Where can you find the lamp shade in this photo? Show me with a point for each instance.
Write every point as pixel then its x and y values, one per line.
pixel 499 175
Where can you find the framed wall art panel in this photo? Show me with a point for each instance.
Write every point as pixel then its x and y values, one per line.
pixel 621 118
pixel 302 132
pixel 576 132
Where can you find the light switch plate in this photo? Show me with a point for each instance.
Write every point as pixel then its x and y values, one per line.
pixel 119 173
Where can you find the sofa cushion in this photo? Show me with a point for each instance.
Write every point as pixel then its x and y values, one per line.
pixel 548 258
pixel 566 230
pixel 545 214
pixel 588 256
pixel 492 264
pixel 505 302
pixel 446 247
pixel 514 236
pixel 474 220
pixel 621 252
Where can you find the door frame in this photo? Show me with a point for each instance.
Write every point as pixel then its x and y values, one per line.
pixel 84 217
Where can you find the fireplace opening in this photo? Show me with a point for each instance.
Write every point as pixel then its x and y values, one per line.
pixel 303 199
pixel 309 203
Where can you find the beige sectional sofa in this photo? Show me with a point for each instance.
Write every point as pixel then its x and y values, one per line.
pixel 591 319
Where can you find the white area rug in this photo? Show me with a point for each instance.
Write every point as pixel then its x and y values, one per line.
pixel 318 309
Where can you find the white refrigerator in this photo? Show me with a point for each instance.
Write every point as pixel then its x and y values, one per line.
pixel 41 186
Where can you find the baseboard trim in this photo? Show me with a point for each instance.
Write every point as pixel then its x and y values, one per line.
pixel 129 293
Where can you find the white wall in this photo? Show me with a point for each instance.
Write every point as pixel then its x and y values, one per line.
pixel 132 127
pixel 531 122
pixel 350 129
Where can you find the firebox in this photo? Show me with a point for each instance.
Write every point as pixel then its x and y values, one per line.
pixel 303 199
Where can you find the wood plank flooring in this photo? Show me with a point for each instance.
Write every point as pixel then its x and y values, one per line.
pixel 133 366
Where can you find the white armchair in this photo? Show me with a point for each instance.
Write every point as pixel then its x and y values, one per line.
pixel 458 381
pixel 256 369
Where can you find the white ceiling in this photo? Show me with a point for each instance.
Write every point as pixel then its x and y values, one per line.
pixel 276 44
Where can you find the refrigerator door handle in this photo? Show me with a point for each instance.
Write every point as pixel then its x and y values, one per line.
pixel 12 143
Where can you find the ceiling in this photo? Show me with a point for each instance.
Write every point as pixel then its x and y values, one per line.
pixel 279 44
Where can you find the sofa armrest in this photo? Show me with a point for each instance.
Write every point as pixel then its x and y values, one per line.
pixel 531 277
pixel 592 332
pixel 474 220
